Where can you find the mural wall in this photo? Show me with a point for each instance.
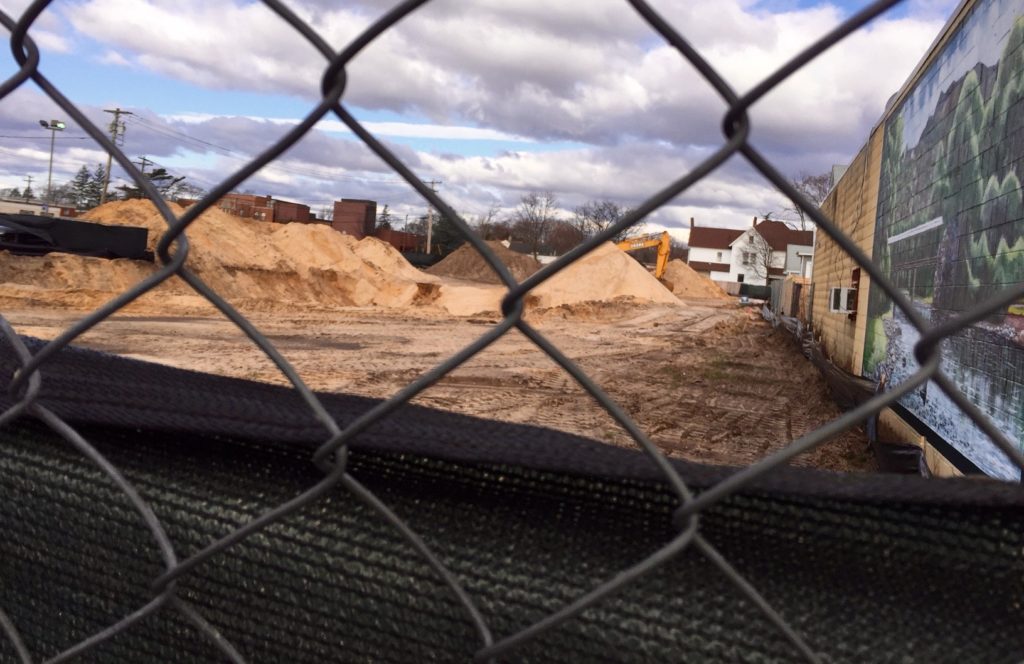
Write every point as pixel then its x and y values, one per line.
pixel 950 228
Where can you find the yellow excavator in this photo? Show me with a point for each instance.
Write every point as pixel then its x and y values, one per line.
pixel 662 240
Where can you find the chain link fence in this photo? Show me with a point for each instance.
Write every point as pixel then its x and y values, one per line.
pixel 170 592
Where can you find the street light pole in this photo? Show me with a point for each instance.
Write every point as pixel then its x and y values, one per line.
pixel 54 126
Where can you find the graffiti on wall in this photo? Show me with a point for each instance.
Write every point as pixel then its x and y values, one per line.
pixel 950 229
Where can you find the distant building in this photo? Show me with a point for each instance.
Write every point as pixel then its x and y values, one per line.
pixel 265 208
pixel 402 240
pixel 20 206
pixel 355 217
pixel 730 254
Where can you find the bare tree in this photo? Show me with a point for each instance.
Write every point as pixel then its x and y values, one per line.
pixel 814 188
pixel 679 249
pixel 594 217
pixel 563 236
pixel 532 219
pixel 490 227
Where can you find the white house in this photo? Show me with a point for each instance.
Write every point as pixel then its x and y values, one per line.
pixel 742 255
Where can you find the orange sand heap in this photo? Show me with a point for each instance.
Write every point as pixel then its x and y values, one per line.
pixel 278 267
pixel 605 274
pixel 251 264
pixel 684 281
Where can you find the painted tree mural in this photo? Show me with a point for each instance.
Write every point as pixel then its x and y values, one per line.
pixel 950 228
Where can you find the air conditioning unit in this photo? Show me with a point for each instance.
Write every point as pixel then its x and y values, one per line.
pixel 842 300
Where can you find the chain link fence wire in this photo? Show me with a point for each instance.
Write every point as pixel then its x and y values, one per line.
pixel 174 595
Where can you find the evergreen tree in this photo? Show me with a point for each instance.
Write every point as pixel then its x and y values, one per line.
pixel 384 218
pixel 80 188
pixel 28 194
pixel 94 190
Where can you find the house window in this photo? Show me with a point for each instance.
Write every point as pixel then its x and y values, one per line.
pixel 719 256
pixel 739 278
pixel 748 258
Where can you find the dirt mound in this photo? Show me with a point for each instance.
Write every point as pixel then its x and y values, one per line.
pixel 684 281
pixel 252 264
pixel 260 266
pixel 604 274
pixel 466 263
pixel 606 277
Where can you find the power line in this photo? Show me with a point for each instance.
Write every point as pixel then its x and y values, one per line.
pixel 168 131
pixel 63 138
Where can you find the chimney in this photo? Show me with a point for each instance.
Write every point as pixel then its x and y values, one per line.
pixel 691 223
pixel 754 223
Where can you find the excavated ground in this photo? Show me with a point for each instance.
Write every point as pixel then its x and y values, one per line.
pixel 707 381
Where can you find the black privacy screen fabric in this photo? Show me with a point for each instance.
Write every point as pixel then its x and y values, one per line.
pixel 866 569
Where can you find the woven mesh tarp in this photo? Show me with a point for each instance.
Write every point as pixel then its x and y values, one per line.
pixel 875 568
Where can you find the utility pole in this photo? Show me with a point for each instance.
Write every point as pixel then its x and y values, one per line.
pixel 117 138
pixel 28 186
pixel 430 212
pixel 142 162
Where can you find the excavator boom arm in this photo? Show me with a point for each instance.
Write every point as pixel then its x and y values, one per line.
pixel 663 241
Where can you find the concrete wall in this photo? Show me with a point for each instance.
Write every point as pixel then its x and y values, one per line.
pixel 852 206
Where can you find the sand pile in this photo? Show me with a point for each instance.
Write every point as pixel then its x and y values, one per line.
pixel 684 281
pixel 272 267
pixel 466 263
pixel 252 264
pixel 604 275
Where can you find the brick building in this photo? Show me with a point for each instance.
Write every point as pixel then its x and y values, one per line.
pixel 401 240
pixel 355 217
pixel 265 208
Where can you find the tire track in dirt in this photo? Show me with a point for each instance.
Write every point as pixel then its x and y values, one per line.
pixel 709 383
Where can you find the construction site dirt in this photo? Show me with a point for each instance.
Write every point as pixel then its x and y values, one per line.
pixel 708 381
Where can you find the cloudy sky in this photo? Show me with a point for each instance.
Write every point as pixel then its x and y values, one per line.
pixel 494 98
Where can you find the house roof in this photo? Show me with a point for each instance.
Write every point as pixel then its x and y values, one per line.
pixel 702 266
pixel 713 238
pixel 779 235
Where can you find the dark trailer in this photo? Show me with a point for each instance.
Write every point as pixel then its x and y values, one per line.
pixel 31 235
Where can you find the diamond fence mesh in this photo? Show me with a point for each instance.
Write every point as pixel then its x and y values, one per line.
pixel 168 593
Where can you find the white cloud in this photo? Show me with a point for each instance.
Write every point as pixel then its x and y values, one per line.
pixel 529 72
pixel 111 57
pixel 397 129
pixel 49 31
pixel 536 69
